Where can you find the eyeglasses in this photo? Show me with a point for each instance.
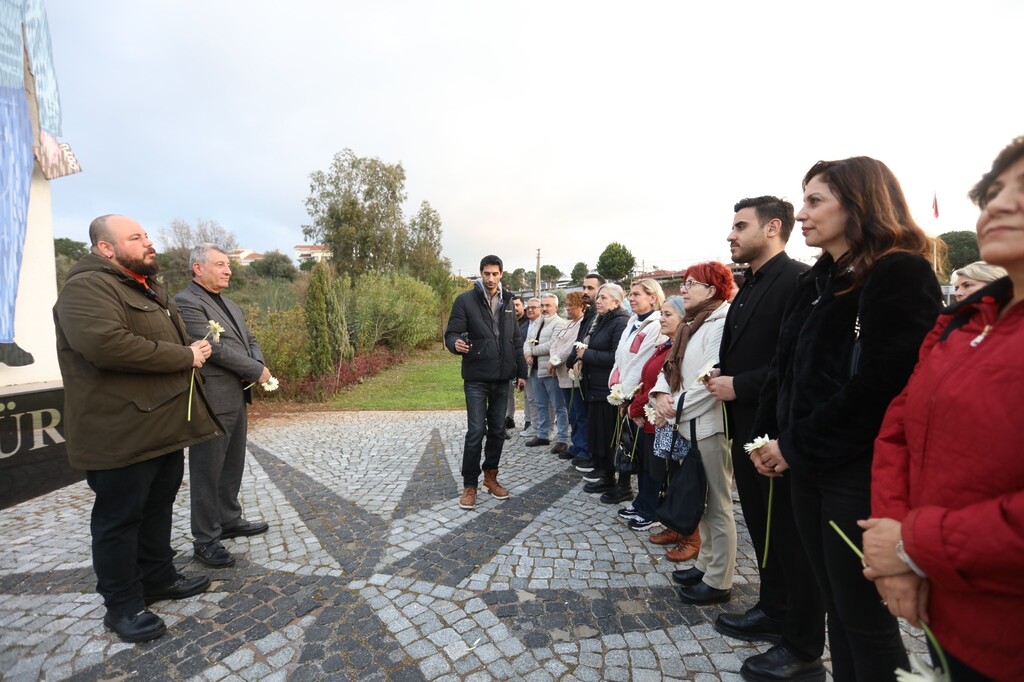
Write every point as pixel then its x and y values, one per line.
pixel 688 284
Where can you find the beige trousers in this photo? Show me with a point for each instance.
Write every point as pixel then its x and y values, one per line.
pixel 717 556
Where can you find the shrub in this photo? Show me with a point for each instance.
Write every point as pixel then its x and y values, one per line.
pixel 282 338
pixel 396 311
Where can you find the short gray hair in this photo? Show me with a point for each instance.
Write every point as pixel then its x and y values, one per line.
pixel 201 255
pixel 614 290
pixel 548 294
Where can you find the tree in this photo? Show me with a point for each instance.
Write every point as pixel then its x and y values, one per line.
pixel 327 334
pixel 550 274
pixel 62 246
pixel 963 248
pixel 179 234
pixel 275 264
pixel 579 272
pixel 356 209
pixel 515 280
pixel 447 287
pixel 174 268
pixel 616 262
pixel 424 252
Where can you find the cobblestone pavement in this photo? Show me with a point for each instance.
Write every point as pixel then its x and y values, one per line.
pixel 370 571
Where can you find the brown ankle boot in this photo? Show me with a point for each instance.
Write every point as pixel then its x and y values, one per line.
pixel 687 549
pixel 666 537
pixel 496 490
pixel 468 498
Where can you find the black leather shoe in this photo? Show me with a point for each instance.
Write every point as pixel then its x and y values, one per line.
pixel 244 528
pixel 182 588
pixel 213 555
pixel 598 487
pixel 779 663
pixel 753 626
pixel 688 576
pixel 559 448
pixel 142 627
pixel 510 423
pixel 537 441
pixel 616 495
pixel 701 593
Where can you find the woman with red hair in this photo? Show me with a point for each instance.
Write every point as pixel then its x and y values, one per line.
pixel 706 293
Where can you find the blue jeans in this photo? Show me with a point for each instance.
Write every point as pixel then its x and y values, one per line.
pixel 577 410
pixel 486 405
pixel 548 394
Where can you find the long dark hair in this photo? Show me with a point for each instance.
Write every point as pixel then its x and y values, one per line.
pixel 879 220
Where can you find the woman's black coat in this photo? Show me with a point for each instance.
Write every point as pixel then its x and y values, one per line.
pixel 824 411
pixel 599 358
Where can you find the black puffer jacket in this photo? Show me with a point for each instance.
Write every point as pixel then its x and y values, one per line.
pixel 492 358
pixel 825 411
pixel 599 357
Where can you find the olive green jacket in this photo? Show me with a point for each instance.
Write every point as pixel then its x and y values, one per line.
pixel 124 356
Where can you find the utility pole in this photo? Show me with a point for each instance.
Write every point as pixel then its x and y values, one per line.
pixel 536 277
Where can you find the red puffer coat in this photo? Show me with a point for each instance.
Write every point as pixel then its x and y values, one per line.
pixel 949 464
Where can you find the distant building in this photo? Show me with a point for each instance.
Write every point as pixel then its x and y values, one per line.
pixel 660 275
pixel 244 256
pixel 312 252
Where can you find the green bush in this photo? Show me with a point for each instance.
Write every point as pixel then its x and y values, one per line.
pixel 396 311
pixel 282 338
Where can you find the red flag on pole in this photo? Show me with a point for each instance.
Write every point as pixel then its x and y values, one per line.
pixel 935 204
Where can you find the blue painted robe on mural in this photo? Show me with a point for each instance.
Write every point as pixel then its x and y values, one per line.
pixel 23 33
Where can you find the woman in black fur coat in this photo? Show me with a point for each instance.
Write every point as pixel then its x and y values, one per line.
pixel 847 345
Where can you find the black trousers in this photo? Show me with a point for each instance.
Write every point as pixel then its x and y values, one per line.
pixel 601 419
pixel 131 529
pixel 864 638
pixel 753 490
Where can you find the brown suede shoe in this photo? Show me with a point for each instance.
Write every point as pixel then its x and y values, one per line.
pixel 468 498
pixel 496 490
pixel 666 537
pixel 686 550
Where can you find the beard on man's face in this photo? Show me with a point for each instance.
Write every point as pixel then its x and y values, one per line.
pixel 137 265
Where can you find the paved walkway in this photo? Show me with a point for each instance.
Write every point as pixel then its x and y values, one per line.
pixel 370 571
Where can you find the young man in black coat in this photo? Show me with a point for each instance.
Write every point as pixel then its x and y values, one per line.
pixel 484 330
pixel 761 228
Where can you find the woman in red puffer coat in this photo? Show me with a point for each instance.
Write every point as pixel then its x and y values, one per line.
pixel 946 541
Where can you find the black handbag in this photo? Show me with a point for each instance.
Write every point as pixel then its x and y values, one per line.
pixel 685 491
pixel 626 455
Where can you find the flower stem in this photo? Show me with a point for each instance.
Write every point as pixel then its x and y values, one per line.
pixel 943 663
pixel 191 387
pixel 768 526
pixel 844 536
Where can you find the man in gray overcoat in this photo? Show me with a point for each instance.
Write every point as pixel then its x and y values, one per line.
pixel 236 363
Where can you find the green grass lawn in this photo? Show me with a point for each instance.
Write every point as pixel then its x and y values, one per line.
pixel 426 380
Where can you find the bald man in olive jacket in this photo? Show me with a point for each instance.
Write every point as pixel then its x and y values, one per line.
pixel 131 407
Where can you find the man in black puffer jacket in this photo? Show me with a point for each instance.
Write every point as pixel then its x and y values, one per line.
pixel 484 330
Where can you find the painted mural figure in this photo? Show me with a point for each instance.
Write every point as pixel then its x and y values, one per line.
pixel 27 85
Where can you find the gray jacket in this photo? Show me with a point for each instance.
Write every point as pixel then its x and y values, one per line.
pixel 236 360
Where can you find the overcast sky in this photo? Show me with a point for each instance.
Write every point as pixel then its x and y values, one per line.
pixel 554 125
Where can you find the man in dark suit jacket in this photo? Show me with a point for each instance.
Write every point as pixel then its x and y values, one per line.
pixel 216 466
pixel 761 228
